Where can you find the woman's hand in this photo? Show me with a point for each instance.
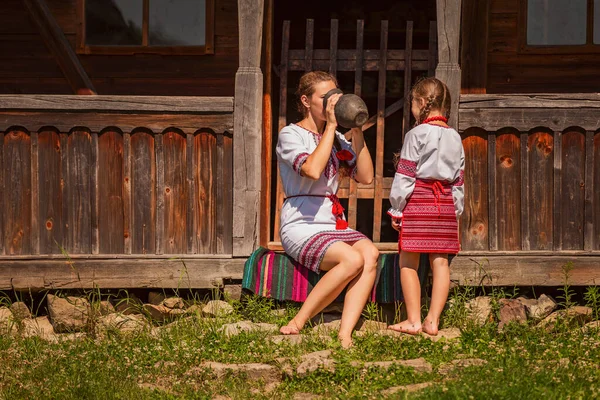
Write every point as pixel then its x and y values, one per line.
pixel 330 110
pixel 396 223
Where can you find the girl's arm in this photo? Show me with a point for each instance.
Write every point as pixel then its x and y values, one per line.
pixel 364 162
pixel 458 187
pixel 404 180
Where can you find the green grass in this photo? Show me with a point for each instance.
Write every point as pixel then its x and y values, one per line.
pixel 522 362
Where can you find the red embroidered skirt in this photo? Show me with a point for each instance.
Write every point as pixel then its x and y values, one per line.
pixel 429 223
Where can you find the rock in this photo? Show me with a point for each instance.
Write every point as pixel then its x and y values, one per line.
pixel 8 324
pixel 306 396
pixel 156 298
pixel 371 326
pixel 290 339
pixel 386 332
pixel 407 388
pixel 247 326
pixel 313 361
pixel 173 303
pixel 217 308
pixel 162 313
pixel 129 305
pixel 335 308
pixel 327 327
pixel 595 325
pixel 268 374
pixel 20 310
pixel 418 364
pixel 40 326
pixel 461 363
pixel 511 311
pixel 106 307
pixel 446 334
pixel 194 309
pixel 124 323
pixel 577 315
pixel 480 309
pixel 540 308
pixel 325 318
pixel 233 292
pixel 279 312
pixel 70 314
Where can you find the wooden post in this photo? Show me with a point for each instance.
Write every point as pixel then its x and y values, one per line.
pixel 448 69
pixel 247 129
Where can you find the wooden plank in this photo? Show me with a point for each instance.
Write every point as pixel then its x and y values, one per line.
pixel 175 193
pixel 179 273
pixel 508 188
pixel 539 214
pixel 206 171
pixel 389 110
pixel 95 195
pixel 35 195
pixel 227 213
pixel 144 192
pixel 596 185
pixel 433 50
pixel 218 173
pixel 50 209
pixel 96 122
pixel 127 206
pixel 533 100
pixel 79 193
pixel 588 243
pixel 160 193
pixel 2 196
pixel 347 57
pixel 407 79
pixel 145 22
pixel 110 179
pixel 557 202
pixel 524 119
pixel 309 41
pixel 377 207
pixel 110 104
pixel 352 197
pixel 192 194
pixel 492 199
pixel 60 47
pixel 524 212
pixel 17 192
pixel 519 270
pixel 350 65
pixel 474 221
pixel 282 121
pixel 63 241
pixel 474 45
pixel 333 47
pixel 573 190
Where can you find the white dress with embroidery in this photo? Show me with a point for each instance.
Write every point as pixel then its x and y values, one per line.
pixel 308 225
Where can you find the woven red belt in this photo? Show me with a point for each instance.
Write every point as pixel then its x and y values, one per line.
pixel 438 190
pixel 336 208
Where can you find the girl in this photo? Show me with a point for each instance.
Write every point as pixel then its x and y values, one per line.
pixel 427 196
pixel 311 154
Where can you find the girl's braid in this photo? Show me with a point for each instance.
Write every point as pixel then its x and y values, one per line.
pixel 425 111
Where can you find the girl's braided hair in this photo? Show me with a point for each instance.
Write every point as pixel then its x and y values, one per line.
pixel 435 95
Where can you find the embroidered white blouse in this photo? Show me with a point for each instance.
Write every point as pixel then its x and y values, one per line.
pixel 429 152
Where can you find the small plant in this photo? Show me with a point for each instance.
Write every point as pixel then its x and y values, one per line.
pixel 567 293
pixel 592 299
pixel 372 312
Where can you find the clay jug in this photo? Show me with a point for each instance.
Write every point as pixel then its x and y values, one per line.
pixel 350 110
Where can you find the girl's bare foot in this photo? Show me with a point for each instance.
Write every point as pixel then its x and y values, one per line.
pixel 346 341
pixel 290 329
pixel 407 327
pixel 430 327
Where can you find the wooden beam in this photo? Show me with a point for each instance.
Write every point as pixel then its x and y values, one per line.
pixel 448 69
pixel 538 100
pixel 474 45
pixel 247 143
pixel 59 46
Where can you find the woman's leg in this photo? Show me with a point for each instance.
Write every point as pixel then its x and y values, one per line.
pixel 358 290
pixel 343 264
pixel 439 292
pixel 411 291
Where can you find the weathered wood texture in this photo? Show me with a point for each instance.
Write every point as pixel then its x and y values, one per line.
pixel 448 68
pixel 28 66
pixel 116 185
pixel 474 45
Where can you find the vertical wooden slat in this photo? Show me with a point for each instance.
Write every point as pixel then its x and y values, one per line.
pixel 524 212
pixel 127 193
pixel 64 191
pixel 540 148
pixel 219 194
pixel 109 186
pixel 377 206
pixel 227 214
pixel 283 72
pixel 309 42
pixel 160 193
pixel 50 196
pixel 146 22
pixel 206 167
pixel 508 190
pixel 433 50
pixel 588 243
pixel 333 47
pixel 2 195
pixel 94 195
pixel 573 190
pixel 191 226
pixel 144 193
pixel 556 228
pixel 407 78
pixel 80 193
pixel 175 192
pixel 358 72
pixel 493 217
pixel 17 193
pixel 35 195
pixel 596 193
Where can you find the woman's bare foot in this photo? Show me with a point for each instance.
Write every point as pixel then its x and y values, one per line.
pixel 407 327
pixel 430 327
pixel 291 328
pixel 346 341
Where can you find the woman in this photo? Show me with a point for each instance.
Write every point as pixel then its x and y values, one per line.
pixel 311 155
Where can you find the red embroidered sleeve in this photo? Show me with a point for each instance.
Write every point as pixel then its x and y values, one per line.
pixel 407 167
pixel 299 161
pixel 460 181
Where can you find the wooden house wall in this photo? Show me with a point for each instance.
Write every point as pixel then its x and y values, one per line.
pixel 27 67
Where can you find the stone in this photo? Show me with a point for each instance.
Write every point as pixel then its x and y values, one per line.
pixel 281 312
pixel 313 361
pixel 173 303
pixel 217 308
pixel 444 334
pixel 511 311
pixel 325 318
pixel 577 315
pixel 480 309
pixel 290 339
pixel 233 292
pixel 247 326
pixel 371 326
pixel 40 327
pixel 129 305
pixel 407 388
pixel 540 308
pixel 418 364
pixel 162 313
pixel 106 307
pixel 327 327
pixel 8 325
pixel 20 310
pixel 69 314
pixel 306 396
pixel 156 298
pixel 131 323
pixel 595 325
pixel 268 374
pixel 194 309
pixel 461 363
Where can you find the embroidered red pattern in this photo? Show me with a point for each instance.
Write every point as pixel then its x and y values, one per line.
pixel 460 180
pixel 407 167
pixel 299 161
